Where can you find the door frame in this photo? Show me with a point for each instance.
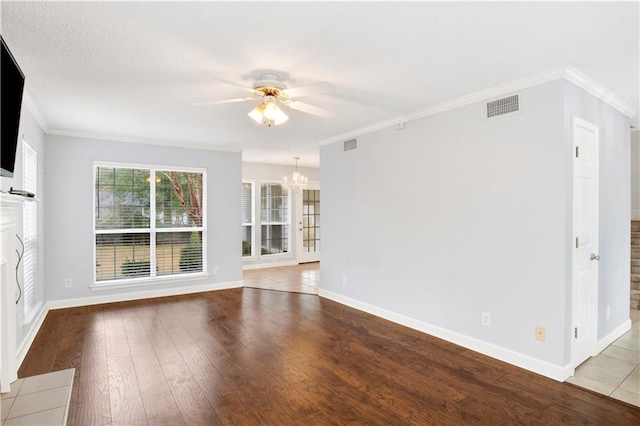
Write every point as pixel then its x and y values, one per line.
pixel 580 354
pixel 303 257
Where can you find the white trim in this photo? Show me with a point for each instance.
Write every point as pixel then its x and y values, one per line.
pixel 268 265
pixel 611 337
pixel 593 88
pixel 143 141
pixel 556 372
pixel 568 73
pixel 27 341
pixel 139 295
pixel 149 166
pixel 137 282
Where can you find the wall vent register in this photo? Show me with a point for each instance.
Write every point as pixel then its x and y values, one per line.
pixel 503 106
pixel 351 144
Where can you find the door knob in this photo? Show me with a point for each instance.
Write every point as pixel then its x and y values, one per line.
pixel 595 256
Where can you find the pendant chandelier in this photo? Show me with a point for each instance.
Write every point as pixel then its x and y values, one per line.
pixel 297 181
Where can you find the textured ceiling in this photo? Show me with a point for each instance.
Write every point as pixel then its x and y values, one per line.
pixel 131 70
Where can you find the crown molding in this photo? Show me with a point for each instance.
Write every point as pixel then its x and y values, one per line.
pixel 567 73
pixel 593 88
pixel 145 141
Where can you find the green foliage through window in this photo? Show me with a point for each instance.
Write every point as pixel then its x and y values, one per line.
pixel 127 225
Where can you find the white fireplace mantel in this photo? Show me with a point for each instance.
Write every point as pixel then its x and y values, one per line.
pixel 10 206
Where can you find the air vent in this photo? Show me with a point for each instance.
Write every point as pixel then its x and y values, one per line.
pixel 350 145
pixel 503 106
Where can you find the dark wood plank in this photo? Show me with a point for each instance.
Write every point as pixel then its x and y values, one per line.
pixel 248 356
pixel 92 406
pixel 162 410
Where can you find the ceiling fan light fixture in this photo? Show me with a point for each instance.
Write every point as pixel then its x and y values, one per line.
pixel 257 113
pixel 268 113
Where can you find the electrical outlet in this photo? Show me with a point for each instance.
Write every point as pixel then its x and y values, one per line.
pixel 216 270
pixel 608 312
pixel 344 281
pixel 541 333
pixel 68 283
pixel 486 319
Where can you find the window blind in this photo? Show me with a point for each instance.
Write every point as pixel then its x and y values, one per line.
pixel 247 218
pixel 30 231
pixel 149 222
pixel 274 219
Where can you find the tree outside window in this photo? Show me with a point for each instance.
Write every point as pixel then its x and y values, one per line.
pixel 139 238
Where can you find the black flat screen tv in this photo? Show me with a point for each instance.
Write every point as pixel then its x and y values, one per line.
pixel 11 88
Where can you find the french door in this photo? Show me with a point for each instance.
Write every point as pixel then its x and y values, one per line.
pixel 308 224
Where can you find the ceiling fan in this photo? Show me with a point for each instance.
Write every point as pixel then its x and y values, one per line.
pixel 271 91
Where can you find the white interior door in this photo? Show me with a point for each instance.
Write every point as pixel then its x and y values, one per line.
pixel 308 224
pixel 585 244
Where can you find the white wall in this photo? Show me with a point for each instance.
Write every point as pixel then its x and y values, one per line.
pixel 635 174
pixel 454 216
pixel 69 220
pixel 457 215
pixel 31 132
pixel 615 187
pixel 260 172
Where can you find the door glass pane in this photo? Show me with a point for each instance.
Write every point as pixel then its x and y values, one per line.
pixel 311 220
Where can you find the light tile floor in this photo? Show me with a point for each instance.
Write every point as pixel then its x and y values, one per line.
pixel 39 400
pixel 302 278
pixel 616 370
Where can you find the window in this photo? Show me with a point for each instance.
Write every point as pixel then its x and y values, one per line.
pixel 149 222
pixel 247 218
pixel 29 232
pixel 274 218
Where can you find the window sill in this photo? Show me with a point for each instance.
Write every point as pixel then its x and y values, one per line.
pixel 139 282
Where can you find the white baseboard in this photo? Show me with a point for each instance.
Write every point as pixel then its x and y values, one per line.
pixel 635 214
pixel 269 265
pixel 36 323
pixel 611 337
pixel 556 372
pixel 146 294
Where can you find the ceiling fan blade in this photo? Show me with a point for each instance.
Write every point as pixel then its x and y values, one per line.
pixel 309 89
pixel 310 109
pixel 226 101
pixel 234 84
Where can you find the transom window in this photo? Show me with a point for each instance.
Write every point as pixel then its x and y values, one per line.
pixel 149 222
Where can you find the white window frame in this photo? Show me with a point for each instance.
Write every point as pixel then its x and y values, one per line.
pixel 30 296
pixel 289 252
pixel 252 255
pixel 152 230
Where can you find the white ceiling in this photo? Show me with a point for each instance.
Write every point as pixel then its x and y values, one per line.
pixel 131 70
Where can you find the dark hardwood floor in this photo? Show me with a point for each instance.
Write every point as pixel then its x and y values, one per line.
pixel 250 356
